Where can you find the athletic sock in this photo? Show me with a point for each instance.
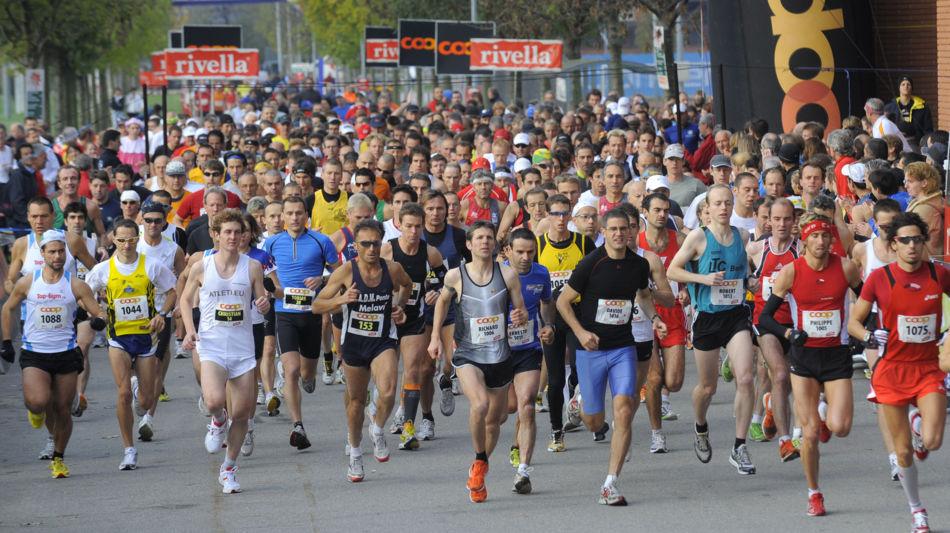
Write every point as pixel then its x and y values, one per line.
pixel 356 452
pixel 702 428
pixel 739 442
pixel 411 393
pixel 228 463
pixel 656 431
pixel 756 419
pixel 813 491
pixel 481 456
pixel 428 416
pixel 784 438
pixel 796 433
pixel 611 479
pixel 664 398
pixel 908 477
pixel 219 418
pixel 524 469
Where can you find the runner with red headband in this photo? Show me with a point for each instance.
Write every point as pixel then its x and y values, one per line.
pixel 816 285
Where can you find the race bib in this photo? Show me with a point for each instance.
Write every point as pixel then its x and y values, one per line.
pixel 414 294
pixel 638 314
pixel 298 298
pixel 229 315
pixel 521 335
pixel 729 293
pixel 81 271
pixel 767 283
pixel 52 317
pixel 821 324
pixel 559 279
pixel 917 329
pixel 487 329
pixel 131 309
pixel 613 312
pixel 366 324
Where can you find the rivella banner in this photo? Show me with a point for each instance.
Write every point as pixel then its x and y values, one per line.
pixel 211 63
pixel 517 55
pixel 381 47
pixel 789 66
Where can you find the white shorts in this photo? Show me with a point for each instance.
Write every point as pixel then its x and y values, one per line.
pixel 236 365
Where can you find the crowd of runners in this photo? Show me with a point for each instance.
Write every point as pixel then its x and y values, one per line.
pixel 527 256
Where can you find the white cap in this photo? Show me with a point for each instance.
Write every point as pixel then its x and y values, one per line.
pixel 52 235
pixel 503 173
pixel 623 105
pixel 200 131
pixel 522 164
pixel 347 128
pixel 582 204
pixel 612 107
pixel 189 131
pixel 522 138
pixel 130 196
pixel 674 150
pixel 658 181
pixel 268 131
pixel 856 171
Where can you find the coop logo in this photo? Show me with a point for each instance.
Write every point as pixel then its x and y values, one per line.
pixel 50 309
pixel 455 48
pixel 821 314
pixel 229 307
pixel 486 320
pixel 806 31
pixel 124 301
pixel 615 303
pixel 917 319
pixel 417 43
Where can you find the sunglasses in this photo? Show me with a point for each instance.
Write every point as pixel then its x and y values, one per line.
pixel 362 184
pixel 521 146
pixel 214 174
pixel 128 202
pixel 559 214
pixel 126 241
pixel 915 239
pixel 370 244
pixel 153 220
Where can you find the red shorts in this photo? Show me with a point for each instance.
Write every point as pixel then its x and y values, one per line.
pixel 904 382
pixel 675 321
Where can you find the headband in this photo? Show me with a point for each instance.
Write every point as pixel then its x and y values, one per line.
pixel 817 225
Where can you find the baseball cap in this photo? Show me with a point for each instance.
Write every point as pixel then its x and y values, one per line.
pixel 720 160
pixel 522 138
pixel 52 235
pixel 306 105
pixel 377 121
pixel 856 171
pixel 937 152
pixel 486 113
pixel 175 168
pixel 189 131
pixel 657 182
pixel 503 172
pixel 623 105
pixel 268 131
pixel 412 108
pixel 502 133
pixel 480 164
pixel 674 150
pixel 151 206
pixel 522 164
pixel 283 119
pixel 789 153
pixel 347 129
pixel 305 166
pixel 581 205
pixel 130 196
pixel 540 155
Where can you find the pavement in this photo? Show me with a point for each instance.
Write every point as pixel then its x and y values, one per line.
pixel 175 486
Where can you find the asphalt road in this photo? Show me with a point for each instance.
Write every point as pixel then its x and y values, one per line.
pixel 175 486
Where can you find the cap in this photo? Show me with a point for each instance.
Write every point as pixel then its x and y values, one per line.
pixel 522 138
pixel 540 155
pixel 151 206
pixel 797 202
pixel 623 105
pixel 856 171
pixel 522 164
pixel 52 235
pixel 189 131
pixel 130 196
pixel 377 121
pixel 347 129
pixel 486 113
pixel 283 119
pixel 480 163
pixel 674 150
pixel 503 172
pixel 306 105
pixel 175 168
pixel 200 131
pixel 720 160
pixel 583 204
pixel 658 182
pixel 305 166
pixel 412 108
pixel 268 131
pixel 502 133
pixel 789 153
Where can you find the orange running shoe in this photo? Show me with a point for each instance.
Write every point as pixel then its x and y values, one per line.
pixel 824 434
pixel 768 423
pixel 476 481
pixel 787 451
pixel 816 505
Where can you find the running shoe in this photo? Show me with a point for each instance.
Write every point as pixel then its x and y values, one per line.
pixel 476 481
pixel 557 442
pixel 260 395
pixel 824 434
pixel 355 469
pixel 702 447
pixel 408 440
pixel 915 437
pixel 740 459
pixel 755 432
pixel 643 394
pixel 426 430
pixel 247 447
pixel 456 385
pixel 36 419
pixel 58 468
pixel 666 411
pixel 139 410
pixel 541 402
pixel 339 377
pixel 787 451
pixel 47 453
pixel 725 370
pixel 921 523
pixel 130 460
pixel 81 405
pixel 395 428
pixel 146 431
pixel 816 505
pixel 658 442
pixel 797 442
pixel 164 397
pixel 600 436
pixel 327 372
pixel 215 437
pixel 202 408
pixel 895 468
pixel 514 456
pixel 573 413
pixel 446 401
pixel 180 352
pixel 523 480
pixel 380 447
pixel 298 438
pixel 272 402
pixel 228 479
pixel 99 340
pixel 308 385
pixel 768 423
pixel 609 495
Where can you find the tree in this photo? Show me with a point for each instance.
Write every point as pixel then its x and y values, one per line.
pixel 666 12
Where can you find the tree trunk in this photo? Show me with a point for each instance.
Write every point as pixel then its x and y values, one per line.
pixel 104 116
pixel 574 52
pixel 669 29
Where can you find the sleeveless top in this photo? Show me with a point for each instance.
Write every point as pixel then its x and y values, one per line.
pixel 33 259
pixel 417 267
pixel 370 317
pixel 328 217
pixel 871 263
pixel 767 270
pixel 666 255
pixel 92 242
pixel 490 213
pixel 481 334
pixel 349 245
pixel 717 257
pixel 560 262
pixel 50 311
pixel 642 326
pixel 604 205
pixel 130 300
pixel 226 328
pixel 164 252
pixel 914 314
pixel 818 303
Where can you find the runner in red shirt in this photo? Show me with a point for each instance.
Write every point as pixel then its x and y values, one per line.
pixel 817 285
pixel 908 294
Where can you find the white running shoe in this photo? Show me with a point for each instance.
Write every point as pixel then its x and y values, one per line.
pixel 139 410
pixel 921 523
pixel 180 352
pixel 610 495
pixel 215 437
pixel 447 403
pixel 425 430
pixel 328 378
pixel 260 394
pixel 228 479
pixel 272 402
pixel 666 410
pixel 398 420
pixel 202 408
pixel 130 461
pixel 146 431
pixel 247 447
pixel 658 442
pixel 380 448
pixel 338 376
pixel 895 468
pixel 355 469
pixel 456 385
pixel 47 453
